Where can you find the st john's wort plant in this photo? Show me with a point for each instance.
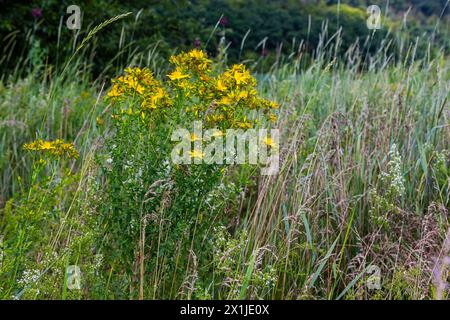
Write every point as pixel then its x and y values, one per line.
pixel 157 210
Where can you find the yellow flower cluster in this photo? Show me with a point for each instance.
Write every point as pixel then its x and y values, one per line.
pixel 223 99
pixel 140 84
pixel 191 74
pixel 57 148
pixel 194 62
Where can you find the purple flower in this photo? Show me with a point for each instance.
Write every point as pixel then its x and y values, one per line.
pixel 197 43
pixel 264 52
pixel 36 12
pixel 223 21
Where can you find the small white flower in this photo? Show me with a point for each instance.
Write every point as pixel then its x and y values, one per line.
pixel 29 277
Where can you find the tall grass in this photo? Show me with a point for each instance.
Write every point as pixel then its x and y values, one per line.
pixel 363 181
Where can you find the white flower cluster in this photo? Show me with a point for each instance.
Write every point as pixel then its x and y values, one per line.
pixel 441 158
pixel 267 278
pixel 394 174
pixel 223 192
pixel 29 277
pixel 98 261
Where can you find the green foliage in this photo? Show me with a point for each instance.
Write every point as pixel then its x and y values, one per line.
pixel 272 28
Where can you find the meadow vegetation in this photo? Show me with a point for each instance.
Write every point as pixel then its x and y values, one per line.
pixel 364 181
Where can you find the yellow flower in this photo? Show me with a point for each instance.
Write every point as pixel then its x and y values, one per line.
pixel 215 118
pixel 197 54
pixel 195 138
pixel 177 75
pixel 225 101
pixel 274 105
pixel 217 95
pixel 185 85
pixel 270 142
pixel 57 148
pixel 221 86
pixel 158 96
pixel 272 117
pixel 115 91
pixel 46 145
pixel 131 70
pixel 245 125
pixel 197 154
pixel 148 104
pixel 243 95
pixel 217 133
pixel 140 89
pixel 130 82
pixel 204 78
pixel 159 93
pixel 239 77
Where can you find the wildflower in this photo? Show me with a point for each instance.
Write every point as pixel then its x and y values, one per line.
pixel 274 105
pixel 139 84
pixel 197 43
pixel 217 133
pixel 130 82
pixel 115 92
pixel 394 176
pixel 239 74
pixel 239 77
pixel 46 145
pixel 184 85
pixel 57 148
pixel 244 125
pixel 243 95
pixel 225 101
pixel 139 89
pixel 223 21
pixel 215 118
pixel 197 54
pixel 195 138
pixel 272 118
pixel 197 154
pixel 36 12
pixel 269 142
pixel 264 52
pixel 135 80
pixel 29 277
pixel 98 261
pixel 151 101
pixel 221 85
pixel 177 75
pixel 195 62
